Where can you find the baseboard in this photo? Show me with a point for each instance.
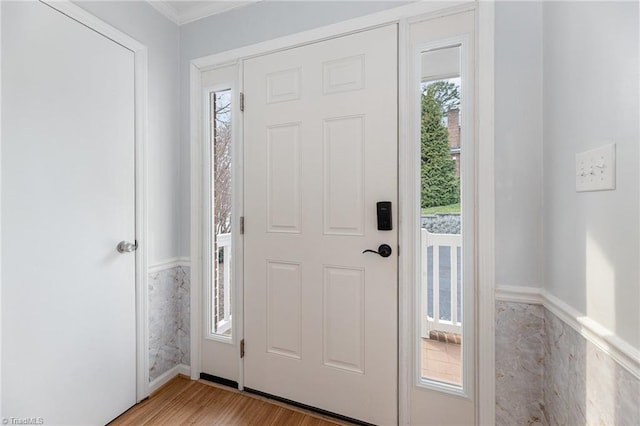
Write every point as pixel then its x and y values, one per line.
pixel 618 349
pixel 168 375
pixel 169 264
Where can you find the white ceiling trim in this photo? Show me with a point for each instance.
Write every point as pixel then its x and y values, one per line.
pixel 208 9
pixel 166 9
pixel 197 11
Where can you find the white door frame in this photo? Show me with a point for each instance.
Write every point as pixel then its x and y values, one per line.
pixel 140 107
pixel 485 192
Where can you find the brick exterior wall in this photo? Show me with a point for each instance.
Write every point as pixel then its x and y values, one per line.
pixel 453 125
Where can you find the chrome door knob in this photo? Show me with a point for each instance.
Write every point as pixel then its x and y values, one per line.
pixel 127 247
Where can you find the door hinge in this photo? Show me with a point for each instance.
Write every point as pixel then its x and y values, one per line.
pixel 241 101
pixel 242 348
pixel 241 225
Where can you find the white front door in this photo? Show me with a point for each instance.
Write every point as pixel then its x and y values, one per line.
pixel 320 132
pixel 68 296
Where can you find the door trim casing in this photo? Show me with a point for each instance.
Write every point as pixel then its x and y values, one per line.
pixel 141 130
pixel 485 154
pixel 403 15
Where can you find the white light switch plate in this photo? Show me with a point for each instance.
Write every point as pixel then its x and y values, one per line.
pixel 596 169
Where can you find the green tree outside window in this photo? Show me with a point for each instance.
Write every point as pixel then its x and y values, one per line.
pixel 440 185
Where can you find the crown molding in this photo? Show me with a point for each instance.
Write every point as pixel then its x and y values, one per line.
pixel 166 9
pixel 199 11
pixel 209 9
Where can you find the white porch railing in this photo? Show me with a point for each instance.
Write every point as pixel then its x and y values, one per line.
pixel 222 290
pixel 441 318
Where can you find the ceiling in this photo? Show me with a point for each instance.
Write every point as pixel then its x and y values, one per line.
pixel 182 12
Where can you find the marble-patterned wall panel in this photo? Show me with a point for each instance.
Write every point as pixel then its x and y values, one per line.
pixel 164 319
pixel 519 363
pixel 184 326
pixel 582 384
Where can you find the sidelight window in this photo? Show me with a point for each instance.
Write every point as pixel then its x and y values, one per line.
pixel 221 202
pixel 443 223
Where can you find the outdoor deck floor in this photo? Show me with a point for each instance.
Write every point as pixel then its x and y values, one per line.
pixel 441 361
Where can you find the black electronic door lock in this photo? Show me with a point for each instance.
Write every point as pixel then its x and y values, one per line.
pixel 383 209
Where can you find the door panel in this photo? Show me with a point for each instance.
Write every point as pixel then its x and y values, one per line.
pixel 68 325
pixel 320 128
pixel 442 388
pixel 223 245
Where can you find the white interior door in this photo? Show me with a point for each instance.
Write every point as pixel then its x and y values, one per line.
pixel 320 151
pixel 68 297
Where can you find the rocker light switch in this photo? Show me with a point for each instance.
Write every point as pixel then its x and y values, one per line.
pixel 596 169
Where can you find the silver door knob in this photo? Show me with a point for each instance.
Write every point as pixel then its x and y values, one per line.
pixel 127 247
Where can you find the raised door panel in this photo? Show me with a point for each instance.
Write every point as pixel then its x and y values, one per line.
pixel 284 309
pixel 343 318
pixel 344 175
pixel 283 178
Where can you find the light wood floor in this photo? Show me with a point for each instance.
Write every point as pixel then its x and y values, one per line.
pixel 185 401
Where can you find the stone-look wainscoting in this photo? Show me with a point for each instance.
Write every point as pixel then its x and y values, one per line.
pixel 519 363
pixel 582 384
pixel 169 320
pixel 548 373
pixel 184 329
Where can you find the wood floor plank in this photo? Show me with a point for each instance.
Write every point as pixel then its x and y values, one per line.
pixel 184 401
